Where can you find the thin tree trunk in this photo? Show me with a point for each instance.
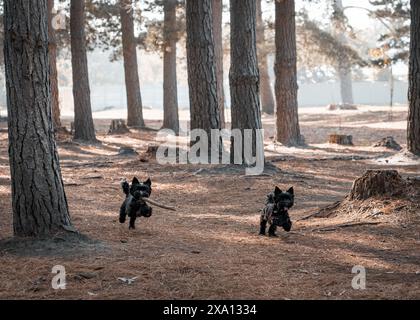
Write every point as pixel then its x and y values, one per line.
pixel 132 82
pixel 267 98
pixel 170 93
pixel 243 75
pixel 38 197
pixel 218 50
pixel 52 50
pixel 413 131
pixel 201 64
pixel 288 131
pixel 344 65
pixel 84 129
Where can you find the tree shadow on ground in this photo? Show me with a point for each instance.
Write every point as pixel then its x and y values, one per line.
pixel 65 244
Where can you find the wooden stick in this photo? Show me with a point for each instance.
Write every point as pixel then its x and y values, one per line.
pixel 157 204
pixel 347 225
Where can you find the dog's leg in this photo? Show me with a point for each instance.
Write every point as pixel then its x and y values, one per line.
pixel 288 225
pixel 123 213
pixel 132 224
pixel 263 226
pixel 272 231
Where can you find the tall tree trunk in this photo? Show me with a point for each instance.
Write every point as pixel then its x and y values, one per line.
pixel 170 92
pixel 218 50
pixel 243 75
pixel 39 201
pixel 132 82
pixel 201 64
pixel 84 129
pixel 267 98
pixel 413 131
pixel 52 50
pixel 288 131
pixel 344 65
pixel 346 83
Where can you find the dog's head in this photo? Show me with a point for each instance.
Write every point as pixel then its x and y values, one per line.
pixel 140 189
pixel 283 201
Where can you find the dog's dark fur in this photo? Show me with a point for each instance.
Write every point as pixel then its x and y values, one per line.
pixel 276 211
pixel 133 206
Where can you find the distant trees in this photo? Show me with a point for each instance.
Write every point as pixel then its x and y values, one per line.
pixel 132 82
pixel 344 64
pixel 267 99
pixel 84 129
pixel 52 50
pixel 170 91
pixel 201 65
pixel 244 75
pixel 217 9
pixel 413 131
pixel 288 131
pixel 38 198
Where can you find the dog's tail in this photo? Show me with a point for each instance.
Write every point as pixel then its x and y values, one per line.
pixel 126 187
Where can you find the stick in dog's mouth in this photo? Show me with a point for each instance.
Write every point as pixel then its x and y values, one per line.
pixel 157 204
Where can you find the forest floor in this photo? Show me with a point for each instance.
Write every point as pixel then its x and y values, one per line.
pixel 210 248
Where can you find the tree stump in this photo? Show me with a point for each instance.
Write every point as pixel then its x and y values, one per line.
pixel 388 143
pixel 341 139
pixel 118 126
pixel 378 183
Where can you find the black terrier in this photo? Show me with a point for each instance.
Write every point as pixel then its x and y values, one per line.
pixel 276 211
pixel 133 205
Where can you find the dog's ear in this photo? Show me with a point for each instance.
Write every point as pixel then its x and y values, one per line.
pixel 135 181
pixel 148 182
pixel 277 191
pixel 291 191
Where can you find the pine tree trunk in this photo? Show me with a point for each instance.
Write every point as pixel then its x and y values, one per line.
pixel 413 131
pixel 244 75
pixel 170 93
pixel 288 131
pixel 52 50
pixel 132 82
pixel 84 129
pixel 38 197
pixel 344 65
pixel 218 50
pixel 201 64
pixel 267 98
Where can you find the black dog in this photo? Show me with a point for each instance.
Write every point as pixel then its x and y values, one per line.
pixel 133 205
pixel 276 211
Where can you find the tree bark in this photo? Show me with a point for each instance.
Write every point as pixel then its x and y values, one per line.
pixel 132 82
pixel 52 50
pixel 170 92
pixel 267 98
pixel 84 129
pixel 288 131
pixel 344 65
pixel 244 74
pixel 38 197
pixel 201 64
pixel 218 50
pixel 413 131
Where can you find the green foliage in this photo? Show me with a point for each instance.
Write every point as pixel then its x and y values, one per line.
pixel 393 44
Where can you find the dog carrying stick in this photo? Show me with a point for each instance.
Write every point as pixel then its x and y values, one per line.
pixel 157 204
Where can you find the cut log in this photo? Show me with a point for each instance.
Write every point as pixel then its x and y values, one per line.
pixel 341 139
pixel 118 126
pixel 381 183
